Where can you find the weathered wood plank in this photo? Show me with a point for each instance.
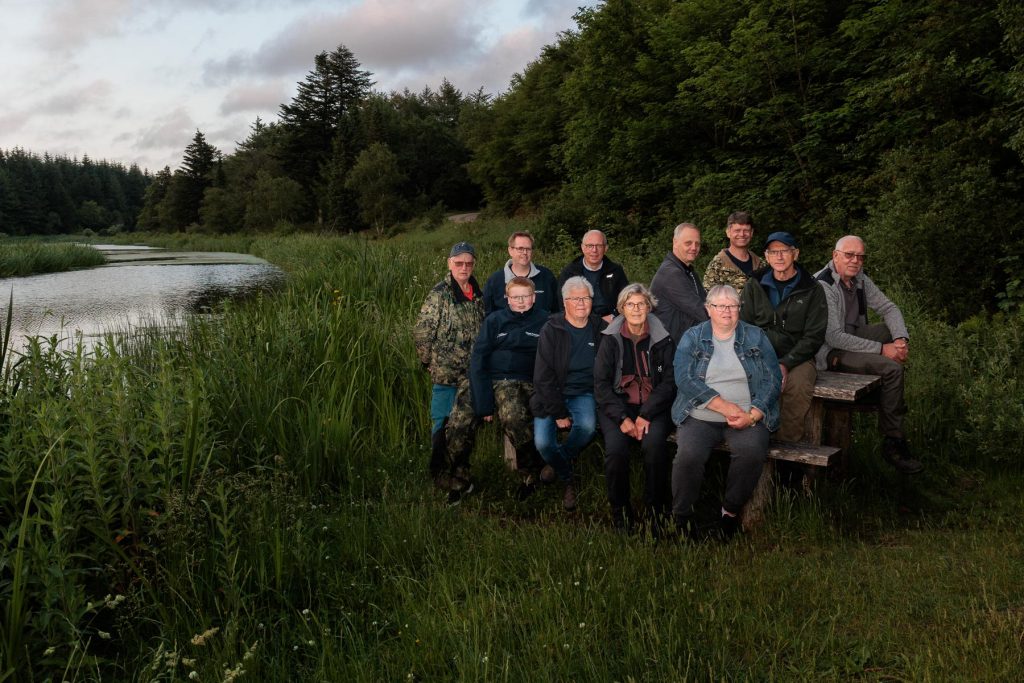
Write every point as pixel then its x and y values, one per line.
pixel 844 386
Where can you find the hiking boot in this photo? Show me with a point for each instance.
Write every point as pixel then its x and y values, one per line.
pixel 896 452
pixel 569 497
pixel 547 474
pixel 730 524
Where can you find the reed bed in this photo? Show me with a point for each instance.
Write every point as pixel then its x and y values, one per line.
pixel 246 497
pixel 19 258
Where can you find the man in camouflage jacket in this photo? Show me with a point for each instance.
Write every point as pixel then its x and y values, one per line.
pixel 734 264
pixel 445 330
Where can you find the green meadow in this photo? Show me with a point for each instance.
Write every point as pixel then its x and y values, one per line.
pixel 246 498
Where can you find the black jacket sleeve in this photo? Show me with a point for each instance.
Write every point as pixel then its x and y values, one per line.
pixel 549 376
pixel 609 403
pixel 664 392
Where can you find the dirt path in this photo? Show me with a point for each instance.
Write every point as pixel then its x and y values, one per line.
pixel 463 217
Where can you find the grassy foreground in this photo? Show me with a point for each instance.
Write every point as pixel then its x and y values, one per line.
pixel 20 258
pixel 246 499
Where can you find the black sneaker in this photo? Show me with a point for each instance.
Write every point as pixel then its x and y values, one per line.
pixel 896 452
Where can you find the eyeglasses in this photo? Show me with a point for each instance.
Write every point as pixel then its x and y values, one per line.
pixel 522 250
pixel 578 299
pixel 725 308
pixel 463 264
pixel 635 305
pixel 853 256
pixel 779 252
pixel 595 246
pixel 520 297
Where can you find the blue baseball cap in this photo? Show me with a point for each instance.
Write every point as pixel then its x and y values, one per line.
pixel 783 237
pixel 462 248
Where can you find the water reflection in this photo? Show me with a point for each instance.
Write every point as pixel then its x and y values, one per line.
pixel 130 293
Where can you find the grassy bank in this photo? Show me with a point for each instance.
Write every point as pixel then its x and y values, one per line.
pixel 263 475
pixel 19 258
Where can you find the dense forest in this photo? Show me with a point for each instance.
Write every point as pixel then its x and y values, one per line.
pixel 900 120
pixel 55 195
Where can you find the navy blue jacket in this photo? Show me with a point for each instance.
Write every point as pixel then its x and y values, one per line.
pixel 549 296
pixel 505 349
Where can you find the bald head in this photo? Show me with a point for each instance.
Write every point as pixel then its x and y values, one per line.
pixel 848 257
pixel 593 246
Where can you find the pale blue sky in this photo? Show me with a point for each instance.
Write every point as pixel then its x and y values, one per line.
pixel 132 80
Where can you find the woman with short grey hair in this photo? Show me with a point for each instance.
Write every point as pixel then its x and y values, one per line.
pixel 728 383
pixel 633 386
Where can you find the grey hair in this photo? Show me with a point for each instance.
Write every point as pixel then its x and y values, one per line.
pixel 683 226
pixel 604 238
pixel 576 282
pixel 725 291
pixel 848 237
pixel 630 290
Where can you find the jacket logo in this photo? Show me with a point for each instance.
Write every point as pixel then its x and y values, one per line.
pixel 532 334
pixel 609 275
pixel 538 291
pixel 590 343
pixel 501 334
pixel 659 368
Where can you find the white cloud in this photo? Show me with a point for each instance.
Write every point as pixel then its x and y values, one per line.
pixel 73 101
pixel 171 131
pixel 258 98
pixel 70 24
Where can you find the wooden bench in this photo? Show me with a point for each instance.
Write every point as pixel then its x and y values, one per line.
pixel 837 395
pixel 828 431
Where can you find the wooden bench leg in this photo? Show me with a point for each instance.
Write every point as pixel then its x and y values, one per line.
pixel 838 426
pixel 510 453
pixel 753 511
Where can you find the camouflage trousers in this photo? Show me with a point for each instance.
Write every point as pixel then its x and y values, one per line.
pixel 512 408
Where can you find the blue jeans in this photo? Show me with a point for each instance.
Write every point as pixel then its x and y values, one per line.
pixel 442 398
pixel 560 456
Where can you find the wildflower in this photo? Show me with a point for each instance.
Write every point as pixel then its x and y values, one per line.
pixel 295 648
pixel 484 659
pixel 565 646
pixel 325 528
pixel 310 643
pixel 49 651
pixel 188 661
pixel 583 624
pixel 193 676
pixel 305 612
pixel 575 583
pixel 204 636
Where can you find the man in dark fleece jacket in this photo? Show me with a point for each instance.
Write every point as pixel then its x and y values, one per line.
pixel 677 288
pixel 606 277
pixel 785 301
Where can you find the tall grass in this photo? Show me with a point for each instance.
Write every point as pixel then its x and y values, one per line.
pixel 30 257
pixel 262 474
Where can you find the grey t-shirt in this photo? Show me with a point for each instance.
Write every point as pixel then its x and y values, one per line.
pixel 726 376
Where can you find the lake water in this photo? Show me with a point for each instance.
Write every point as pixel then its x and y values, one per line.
pixel 138 287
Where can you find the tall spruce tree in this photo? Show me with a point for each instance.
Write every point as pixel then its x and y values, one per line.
pixel 328 95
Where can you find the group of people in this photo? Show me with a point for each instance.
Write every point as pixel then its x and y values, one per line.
pixel 731 357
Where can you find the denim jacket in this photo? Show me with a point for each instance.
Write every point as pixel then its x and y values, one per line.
pixel 756 356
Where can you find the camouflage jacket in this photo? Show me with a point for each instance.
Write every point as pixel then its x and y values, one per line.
pixel 446 328
pixel 722 271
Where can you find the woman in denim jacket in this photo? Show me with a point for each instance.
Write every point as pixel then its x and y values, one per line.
pixel 732 397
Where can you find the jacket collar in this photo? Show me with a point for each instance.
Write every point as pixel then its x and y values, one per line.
pixel 509 274
pixel 457 291
pixel 655 327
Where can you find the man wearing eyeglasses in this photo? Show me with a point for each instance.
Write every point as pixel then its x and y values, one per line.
pixel 605 276
pixel 734 264
pixel 520 264
pixel 785 301
pixel 852 345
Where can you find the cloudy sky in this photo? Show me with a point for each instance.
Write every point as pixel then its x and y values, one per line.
pixel 132 80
